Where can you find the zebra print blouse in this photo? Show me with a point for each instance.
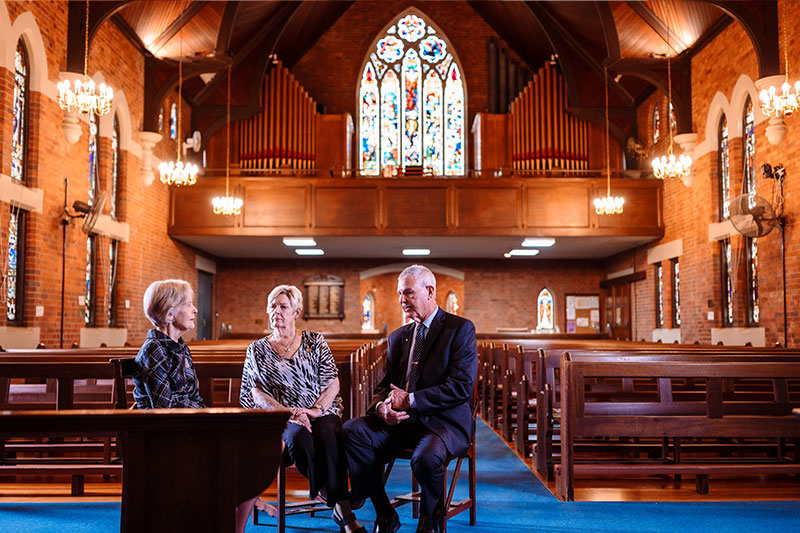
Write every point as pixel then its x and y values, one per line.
pixel 295 382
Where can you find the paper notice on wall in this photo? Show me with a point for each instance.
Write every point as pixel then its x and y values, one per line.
pixel 570 303
pixel 570 313
pixel 582 322
pixel 584 302
pixel 594 317
pixel 595 302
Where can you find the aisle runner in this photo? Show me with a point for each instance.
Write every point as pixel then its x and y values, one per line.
pixel 510 498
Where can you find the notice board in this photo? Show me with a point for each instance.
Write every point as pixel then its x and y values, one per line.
pixel 583 313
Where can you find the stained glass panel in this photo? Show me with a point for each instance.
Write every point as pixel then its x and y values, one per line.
pixel 367 312
pixel 454 123
pixel 173 121
pixel 368 147
pixel 411 28
pixel 114 167
pixel 443 66
pixel 451 305
pixel 749 148
pixel 753 281
pixel 724 171
pixel 659 296
pixel 673 123
pixel 11 280
pixel 411 88
pixel 390 121
pixel 380 67
pixel 20 127
pixel 433 136
pixel 432 49
pixel 113 249
pixel 390 48
pixel 544 310
pixel 656 125
pixel 676 294
pixel 161 119
pixel 728 285
pixel 92 157
pixel 87 292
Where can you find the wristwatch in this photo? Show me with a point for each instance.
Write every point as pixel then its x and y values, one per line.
pixel 318 406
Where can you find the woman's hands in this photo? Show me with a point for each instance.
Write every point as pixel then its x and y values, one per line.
pixel 303 416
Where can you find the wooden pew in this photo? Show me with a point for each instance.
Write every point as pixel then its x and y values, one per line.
pixel 715 416
pixel 184 469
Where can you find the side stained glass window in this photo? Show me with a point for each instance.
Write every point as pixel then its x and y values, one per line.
pixel 676 294
pixel 673 122
pixel 724 171
pixel 19 137
pixel 93 184
pixel 411 102
pixel 113 255
pixel 544 310
pixel 114 168
pixel 161 119
pixel 88 290
pixel 727 282
pixel 173 121
pixel 751 244
pixel 749 148
pixel 659 295
pixel 368 312
pixel 15 266
pixel 656 125
pixel 452 305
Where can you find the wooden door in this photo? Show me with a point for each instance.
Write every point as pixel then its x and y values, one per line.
pixel 616 300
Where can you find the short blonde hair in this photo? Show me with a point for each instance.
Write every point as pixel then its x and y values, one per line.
pixel 163 296
pixel 291 292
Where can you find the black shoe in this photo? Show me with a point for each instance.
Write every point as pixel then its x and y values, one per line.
pixel 426 524
pixel 388 523
pixel 342 522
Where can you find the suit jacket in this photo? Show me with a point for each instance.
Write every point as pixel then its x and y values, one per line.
pixel 445 379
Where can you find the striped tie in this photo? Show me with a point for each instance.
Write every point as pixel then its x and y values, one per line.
pixel 416 355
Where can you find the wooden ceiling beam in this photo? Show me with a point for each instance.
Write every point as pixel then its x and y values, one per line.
pixel 610 35
pixel 226 28
pixel 658 25
pixel 177 24
pixel 760 22
pixel 129 33
pixel 99 12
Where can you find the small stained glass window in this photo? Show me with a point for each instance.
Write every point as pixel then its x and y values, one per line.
pixel 752 282
pixel 727 282
pixel 14 266
pixel 161 119
pixel 659 295
pixel 88 290
pixel 749 148
pixel 173 121
pixel 113 256
pixel 452 305
pixel 544 310
pixel 368 312
pixel 114 168
pixel 673 122
pixel 19 136
pixel 724 171
pixel 656 125
pixel 93 178
pixel 411 102
pixel 676 294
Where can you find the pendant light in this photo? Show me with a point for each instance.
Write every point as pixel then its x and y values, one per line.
pixel 227 205
pixel 177 172
pixel 608 205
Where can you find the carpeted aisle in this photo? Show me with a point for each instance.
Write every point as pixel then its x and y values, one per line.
pixel 510 498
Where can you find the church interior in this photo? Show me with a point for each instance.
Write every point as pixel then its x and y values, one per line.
pixel 594 175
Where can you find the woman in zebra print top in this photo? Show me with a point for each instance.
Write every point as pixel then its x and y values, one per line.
pixel 295 370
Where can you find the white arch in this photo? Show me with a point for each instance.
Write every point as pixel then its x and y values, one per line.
pixel 744 87
pixel 25 27
pixel 719 106
pixel 398 267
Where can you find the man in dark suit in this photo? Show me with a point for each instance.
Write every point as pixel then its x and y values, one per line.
pixel 421 403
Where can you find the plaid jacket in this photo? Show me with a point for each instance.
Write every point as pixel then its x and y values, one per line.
pixel 166 377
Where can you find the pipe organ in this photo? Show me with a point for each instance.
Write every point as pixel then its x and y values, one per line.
pixel 543 135
pixel 282 135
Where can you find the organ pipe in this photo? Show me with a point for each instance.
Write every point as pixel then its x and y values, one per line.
pixel 282 134
pixel 543 135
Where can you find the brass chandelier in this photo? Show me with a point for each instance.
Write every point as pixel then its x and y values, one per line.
pixel 669 166
pixel 227 205
pixel 83 97
pixel 177 172
pixel 608 205
pixel 787 102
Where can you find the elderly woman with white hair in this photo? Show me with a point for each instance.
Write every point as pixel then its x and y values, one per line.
pixel 166 377
pixel 295 370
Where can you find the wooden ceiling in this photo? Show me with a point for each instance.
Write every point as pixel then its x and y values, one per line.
pixel 630 37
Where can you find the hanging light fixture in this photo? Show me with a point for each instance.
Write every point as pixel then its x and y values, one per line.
pixel 669 166
pixel 608 205
pixel 176 172
pixel 786 103
pixel 83 97
pixel 227 205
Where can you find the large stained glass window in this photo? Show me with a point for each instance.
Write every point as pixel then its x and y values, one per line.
pixel 15 266
pixel 724 171
pixel 676 294
pixel 544 310
pixel 113 256
pixel 19 136
pixel 727 282
pixel 114 167
pixel 411 102
pixel 659 295
pixel 452 304
pixel 368 312
pixel 656 124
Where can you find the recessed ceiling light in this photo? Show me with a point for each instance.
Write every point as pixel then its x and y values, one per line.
pixel 309 251
pixel 416 251
pixel 538 242
pixel 299 241
pixel 523 252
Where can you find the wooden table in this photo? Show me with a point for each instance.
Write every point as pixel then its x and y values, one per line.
pixel 183 469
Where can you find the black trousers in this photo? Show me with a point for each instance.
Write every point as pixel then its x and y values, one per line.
pixel 319 456
pixel 370 443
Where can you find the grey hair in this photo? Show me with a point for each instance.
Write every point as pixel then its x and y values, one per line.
pixel 421 274
pixel 291 292
pixel 163 296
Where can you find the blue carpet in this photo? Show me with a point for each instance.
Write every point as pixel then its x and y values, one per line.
pixel 510 498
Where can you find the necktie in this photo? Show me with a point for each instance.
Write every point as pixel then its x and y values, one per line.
pixel 416 355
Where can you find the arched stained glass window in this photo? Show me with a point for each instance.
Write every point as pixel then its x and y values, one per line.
pixel 411 101
pixel 173 121
pixel 15 266
pixel 452 305
pixel 751 244
pixel 659 295
pixel 368 312
pixel 544 310
pixel 724 171
pixel 656 125
pixel 19 136
pixel 114 167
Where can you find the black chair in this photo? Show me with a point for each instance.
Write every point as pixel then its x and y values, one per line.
pixel 448 490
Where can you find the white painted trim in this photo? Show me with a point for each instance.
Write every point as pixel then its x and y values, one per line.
pixel 113 228
pixel 205 264
pixel 667 335
pixel 12 338
pixel 620 273
pixel 93 337
pixel 15 193
pixel 666 251
pixel 738 336
pixel 398 267
pixel 721 230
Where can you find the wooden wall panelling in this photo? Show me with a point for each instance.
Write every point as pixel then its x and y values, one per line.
pixel 281 205
pixel 558 204
pixel 191 206
pixel 416 207
pixel 345 206
pixel 642 208
pixel 481 208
